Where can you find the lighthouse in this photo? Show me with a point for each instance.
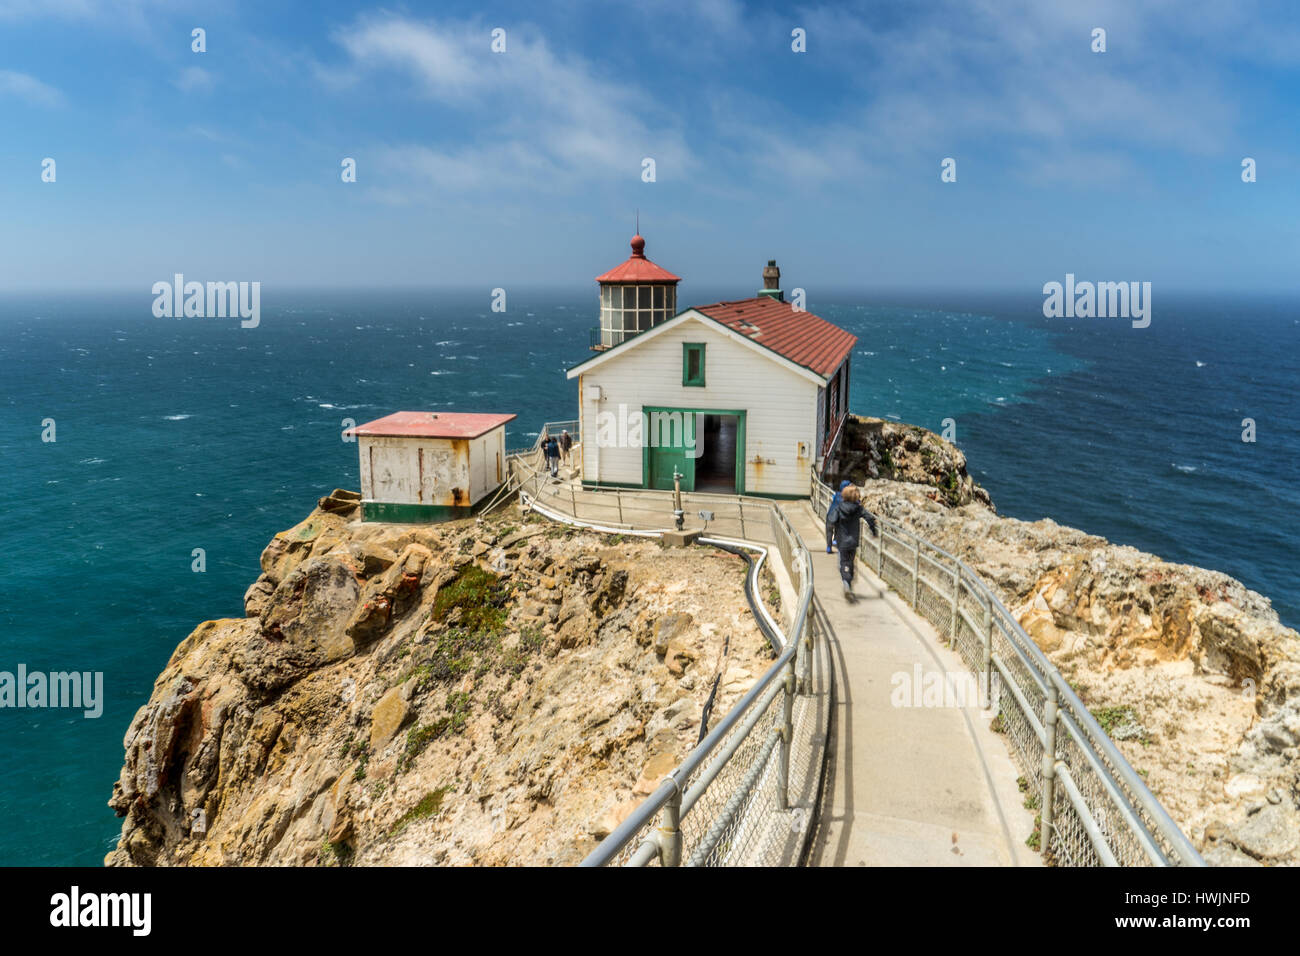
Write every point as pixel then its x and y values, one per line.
pixel 635 295
pixel 744 396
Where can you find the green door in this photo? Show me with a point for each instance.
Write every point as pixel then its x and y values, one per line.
pixel 670 440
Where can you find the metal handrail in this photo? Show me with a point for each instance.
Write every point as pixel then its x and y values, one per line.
pixel 573 426
pixel 672 795
pixel 837 429
pixel 635 841
pixel 1100 779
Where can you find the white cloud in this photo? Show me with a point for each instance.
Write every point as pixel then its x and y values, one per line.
pixel 194 79
pixel 544 120
pixel 439 56
pixel 28 88
pixel 113 10
pixel 727 16
pixel 23 9
pixel 1023 71
pixel 1074 168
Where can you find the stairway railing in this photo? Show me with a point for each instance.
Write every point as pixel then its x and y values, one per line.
pixel 1094 808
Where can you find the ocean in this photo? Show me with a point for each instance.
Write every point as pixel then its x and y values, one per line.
pixel 173 435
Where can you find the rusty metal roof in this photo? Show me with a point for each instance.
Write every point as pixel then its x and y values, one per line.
pixel 799 336
pixel 431 425
pixel 638 268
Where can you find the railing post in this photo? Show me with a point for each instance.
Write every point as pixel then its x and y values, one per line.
pixel 880 549
pixel 787 737
pixel 805 672
pixel 670 834
pixel 987 640
pixel 741 503
pixel 678 513
pixel 1048 772
pixel 573 497
pixel 618 496
pixel 956 595
pixel 916 571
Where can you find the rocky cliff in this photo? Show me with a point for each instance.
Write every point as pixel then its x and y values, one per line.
pixel 480 692
pixel 1189 671
pixel 873 449
pixel 505 691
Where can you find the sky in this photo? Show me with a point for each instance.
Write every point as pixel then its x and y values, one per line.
pixel 526 167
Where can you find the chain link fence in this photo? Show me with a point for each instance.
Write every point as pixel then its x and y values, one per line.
pixel 746 794
pixel 1094 809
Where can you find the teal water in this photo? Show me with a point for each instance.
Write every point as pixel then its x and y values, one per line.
pixel 181 434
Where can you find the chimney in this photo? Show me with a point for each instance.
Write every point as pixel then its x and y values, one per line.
pixel 772 282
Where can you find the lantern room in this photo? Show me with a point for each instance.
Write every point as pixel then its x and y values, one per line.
pixel 634 296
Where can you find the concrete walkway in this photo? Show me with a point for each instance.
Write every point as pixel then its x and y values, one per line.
pixel 906 785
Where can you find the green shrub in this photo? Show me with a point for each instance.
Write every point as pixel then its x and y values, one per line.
pixel 428 806
pixel 334 854
pixel 1122 723
pixel 480 597
pixel 421 735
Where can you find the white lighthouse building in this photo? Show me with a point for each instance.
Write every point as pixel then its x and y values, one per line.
pixel 744 396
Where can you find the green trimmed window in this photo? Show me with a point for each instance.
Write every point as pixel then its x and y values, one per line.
pixel 693 363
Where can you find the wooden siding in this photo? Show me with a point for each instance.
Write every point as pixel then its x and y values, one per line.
pixel 439 472
pixel 780 405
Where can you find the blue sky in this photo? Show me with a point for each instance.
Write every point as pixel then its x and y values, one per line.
pixel 524 168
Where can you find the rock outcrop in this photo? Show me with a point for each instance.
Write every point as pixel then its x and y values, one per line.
pixel 877 449
pixel 470 693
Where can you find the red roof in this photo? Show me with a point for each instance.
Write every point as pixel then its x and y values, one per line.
pixel 431 425
pixel 802 337
pixel 638 268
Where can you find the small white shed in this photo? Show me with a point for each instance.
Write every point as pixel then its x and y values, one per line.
pixel 429 466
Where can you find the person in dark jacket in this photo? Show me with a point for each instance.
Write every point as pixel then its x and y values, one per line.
pixel 830 525
pixel 566 445
pixel 847 517
pixel 551 450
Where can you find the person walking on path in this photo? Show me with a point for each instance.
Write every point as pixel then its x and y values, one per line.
pixel 566 445
pixel 847 517
pixel 830 525
pixel 551 451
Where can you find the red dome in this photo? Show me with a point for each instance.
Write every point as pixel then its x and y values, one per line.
pixel 638 268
